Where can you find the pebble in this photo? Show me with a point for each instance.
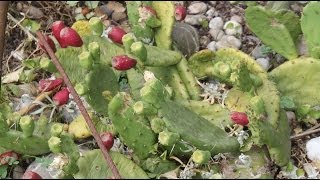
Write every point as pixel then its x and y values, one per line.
pixel 211 13
pixel 117 16
pixel 228 41
pixel 204 41
pixel 264 63
pixel 313 150
pixel 194 19
pixel 236 18
pixel 216 34
pixel 216 22
pixel 233 28
pixel 197 8
pixel 291 116
pixel 212 3
pixel 257 53
pixel 212 46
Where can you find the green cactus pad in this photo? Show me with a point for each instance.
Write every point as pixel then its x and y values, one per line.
pixel 267 91
pixel 196 130
pixel 201 64
pixel 310 25
pixel 102 86
pixel 136 81
pixel 298 79
pixel 33 145
pixel 214 113
pixel 161 57
pixel 272 31
pixel 237 100
pixel 165 12
pixel 134 133
pixel 92 165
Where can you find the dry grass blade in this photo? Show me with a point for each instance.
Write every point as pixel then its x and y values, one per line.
pixel 80 105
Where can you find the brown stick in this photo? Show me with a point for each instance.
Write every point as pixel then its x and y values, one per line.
pixel 77 99
pixel 3 22
pixel 308 132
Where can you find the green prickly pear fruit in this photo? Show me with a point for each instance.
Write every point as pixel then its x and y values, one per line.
pixel 56 129
pixel 96 26
pixel 27 125
pixel 139 50
pixel 167 138
pixel 85 60
pixel 144 108
pixel 201 157
pixel 157 125
pixel 128 40
pixel 55 144
pixel 94 49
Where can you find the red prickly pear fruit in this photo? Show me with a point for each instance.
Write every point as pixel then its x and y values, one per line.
pixel 151 10
pixel 31 175
pixel 107 140
pixel 70 37
pixel 240 118
pixel 61 97
pixel 56 27
pixel 48 85
pixel 5 157
pixel 123 62
pixel 50 42
pixel 180 13
pixel 116 34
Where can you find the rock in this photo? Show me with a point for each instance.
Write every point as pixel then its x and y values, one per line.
pixel 186 38
pixel 212 46
pixel 115 6
pixel 197 8
pixel 233 28
pixel 17 172
pixel 118 16
pixel 104 10
pixel 204 41
pixel 211 13
pixel 228 42
pixel 313 150
pixel 179 3
pixel 236 18
pixel 216 22
pixel 216 34
pixel 194 19
pixel 264 63
pixel 212 3
pixel 257 53
pixel 291 116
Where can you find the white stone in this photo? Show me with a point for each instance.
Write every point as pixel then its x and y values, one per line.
pixel 197 8
pixel 194 19
pixel 217 34
pixel 236 18
pixel 264 63
pixel 313 149
pixel 232 28
pixel 216 23
pixel 228 42
pixel 212 46
pixel 211 12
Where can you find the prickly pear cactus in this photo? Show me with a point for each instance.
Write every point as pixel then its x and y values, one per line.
pixel 297 79
pixel 99 169
pixel 274 31
pixel 18 142
pixel 165 12
pixel 134 132
pixel 309 25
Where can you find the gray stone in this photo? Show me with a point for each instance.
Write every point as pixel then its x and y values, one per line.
pixel 216 22
pixel 204 41
pixel 257 53
pixel 212 3
pixel 194 19
pixel 118 16
pixel 212 46
pixel 186 38
pixel 232 28
pixel 211 13
pixel 197 8
pixel 264 63
pixel 216 34
pixel 228 42
pixel 236 18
